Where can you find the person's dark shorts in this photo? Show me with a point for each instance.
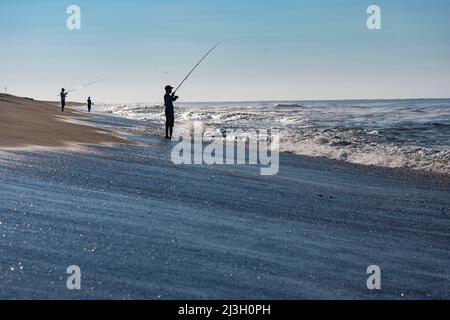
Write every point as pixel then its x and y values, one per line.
pixel 170 120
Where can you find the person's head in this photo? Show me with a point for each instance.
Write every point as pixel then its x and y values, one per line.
pixel 169 89
pixel 62 90
pixel 89 98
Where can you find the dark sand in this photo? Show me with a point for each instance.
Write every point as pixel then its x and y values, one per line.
pixel 141 227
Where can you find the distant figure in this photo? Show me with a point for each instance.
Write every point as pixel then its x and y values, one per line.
pixel 169 98
pixel 89 104
pixel 63 95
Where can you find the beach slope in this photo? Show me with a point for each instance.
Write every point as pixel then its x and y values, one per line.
pixel 26 122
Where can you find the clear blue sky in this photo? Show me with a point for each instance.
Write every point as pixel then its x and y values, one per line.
pixel 271 49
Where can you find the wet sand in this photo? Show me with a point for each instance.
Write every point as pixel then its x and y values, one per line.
pixel 141 227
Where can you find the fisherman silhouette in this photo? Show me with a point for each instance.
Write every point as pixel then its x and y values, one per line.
pixel 63 95
pixel 89 104
pixel 169 98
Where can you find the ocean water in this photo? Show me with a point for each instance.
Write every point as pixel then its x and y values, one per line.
pixel 391 133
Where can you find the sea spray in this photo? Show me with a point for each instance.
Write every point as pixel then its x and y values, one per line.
pixel 254 147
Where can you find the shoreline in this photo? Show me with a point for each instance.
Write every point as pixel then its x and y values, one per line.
pixel 384 140
pixel 156 130
pixel 97 134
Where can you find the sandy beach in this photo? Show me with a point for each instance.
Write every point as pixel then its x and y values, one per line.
pixel 141 227
pixel 25 122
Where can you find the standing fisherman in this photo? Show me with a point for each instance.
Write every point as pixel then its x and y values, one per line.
pixel 63 95
pixel 169 98
pixel 89 104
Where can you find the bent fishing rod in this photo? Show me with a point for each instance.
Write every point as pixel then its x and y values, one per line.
pixel 195 67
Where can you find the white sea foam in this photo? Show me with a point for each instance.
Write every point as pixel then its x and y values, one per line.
pixel 390 133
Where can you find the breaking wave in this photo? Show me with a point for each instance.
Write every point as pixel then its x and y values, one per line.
pixel 390 133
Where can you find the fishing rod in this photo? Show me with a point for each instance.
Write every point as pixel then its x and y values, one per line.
pixel 85 85
pixel 195 67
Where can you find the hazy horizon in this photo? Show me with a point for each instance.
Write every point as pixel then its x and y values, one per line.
pixel 254 101
pixel 293 50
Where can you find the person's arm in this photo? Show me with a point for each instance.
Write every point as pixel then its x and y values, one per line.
pixel 174 97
